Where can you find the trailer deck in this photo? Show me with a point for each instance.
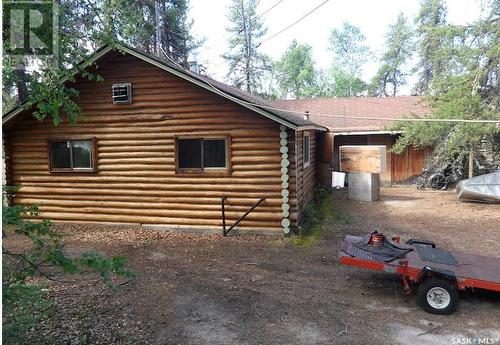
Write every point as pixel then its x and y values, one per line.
pixel 422 261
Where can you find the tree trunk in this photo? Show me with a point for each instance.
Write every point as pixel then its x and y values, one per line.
pixel 22 89
pixel 471 162
pixel 246 33
pixel 157 29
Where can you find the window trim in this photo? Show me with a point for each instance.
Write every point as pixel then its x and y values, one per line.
pixel 93 160
pixel 308 136
pixel 208 170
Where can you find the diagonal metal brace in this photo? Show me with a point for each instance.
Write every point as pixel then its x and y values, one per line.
pixel 225 232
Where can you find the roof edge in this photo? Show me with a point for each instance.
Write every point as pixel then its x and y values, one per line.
pixel 94 57
pixel 364 132
pixel 9 116
pixel 203 84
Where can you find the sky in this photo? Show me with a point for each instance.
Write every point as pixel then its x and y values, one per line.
pixel 372 16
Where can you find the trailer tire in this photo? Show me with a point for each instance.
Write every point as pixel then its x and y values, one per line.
pixel 437 296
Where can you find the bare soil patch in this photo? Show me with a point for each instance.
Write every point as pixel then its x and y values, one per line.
pixel 259 290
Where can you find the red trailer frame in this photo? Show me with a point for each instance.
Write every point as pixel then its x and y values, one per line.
pixel 472 271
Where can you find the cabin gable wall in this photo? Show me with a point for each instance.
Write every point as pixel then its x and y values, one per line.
pixel 135 180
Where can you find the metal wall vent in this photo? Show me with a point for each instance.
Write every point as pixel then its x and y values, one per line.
pixel 122 93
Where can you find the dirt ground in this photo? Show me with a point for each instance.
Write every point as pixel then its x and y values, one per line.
pixel 259 290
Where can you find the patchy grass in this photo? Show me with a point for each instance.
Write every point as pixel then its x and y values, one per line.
pixel 319 216
pixel 339 215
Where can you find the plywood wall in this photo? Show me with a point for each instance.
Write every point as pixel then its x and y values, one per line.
pixel 409 164
pixel 363 158
pixel 401 168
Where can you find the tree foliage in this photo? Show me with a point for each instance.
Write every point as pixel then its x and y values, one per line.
pixel 391 74
pixel 431 43
pixel 135 23
pixel 23 300
pixel 83 27
pixel 296 76
pixel 247 65
pixel 349 55
pixel 464 85
pixel 343 84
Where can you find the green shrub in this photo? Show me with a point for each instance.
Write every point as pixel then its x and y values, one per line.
pixel 23 302
pixel 23 306
pixel 313 217
pixel 320 213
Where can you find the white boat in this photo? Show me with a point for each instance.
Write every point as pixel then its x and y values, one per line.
pixel 484 188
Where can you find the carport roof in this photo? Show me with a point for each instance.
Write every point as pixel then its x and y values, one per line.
pixel 385 109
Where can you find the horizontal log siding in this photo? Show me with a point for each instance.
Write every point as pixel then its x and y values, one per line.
pixel 306 177
pixel 292 173
pixel 135 180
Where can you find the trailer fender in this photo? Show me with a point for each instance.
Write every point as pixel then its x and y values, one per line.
pixel 428 272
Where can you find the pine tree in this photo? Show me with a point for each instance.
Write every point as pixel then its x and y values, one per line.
pixel 430 22
pixel 467 87
pixel 246 64
pixel 391 75
pixel 135 23
pixel 176 38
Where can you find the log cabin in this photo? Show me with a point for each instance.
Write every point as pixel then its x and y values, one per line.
pixel 160 145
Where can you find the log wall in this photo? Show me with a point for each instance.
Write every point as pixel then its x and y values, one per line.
pixel 305 179
pixel 135 181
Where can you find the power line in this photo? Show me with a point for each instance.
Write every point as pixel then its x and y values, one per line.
pixel 294 23
pixel 286 28
pixel 302 113
pixel 270 8
pixel 259 16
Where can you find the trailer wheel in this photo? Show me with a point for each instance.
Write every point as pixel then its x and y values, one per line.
pixel 437 296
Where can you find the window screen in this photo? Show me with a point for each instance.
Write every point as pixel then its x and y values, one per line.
pixel 189 153
pixel 201 153
pixel 60 155
pixel 70 155
pixel 214 153
pixel 82 154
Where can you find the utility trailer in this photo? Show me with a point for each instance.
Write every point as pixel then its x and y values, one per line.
pixel 436 275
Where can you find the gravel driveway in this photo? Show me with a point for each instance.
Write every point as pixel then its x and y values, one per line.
pixel 260 290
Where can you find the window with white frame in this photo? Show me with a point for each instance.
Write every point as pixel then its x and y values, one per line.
pixel 306 149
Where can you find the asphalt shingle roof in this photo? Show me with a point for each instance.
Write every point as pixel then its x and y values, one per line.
pixel 259 102
pixel 385 108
